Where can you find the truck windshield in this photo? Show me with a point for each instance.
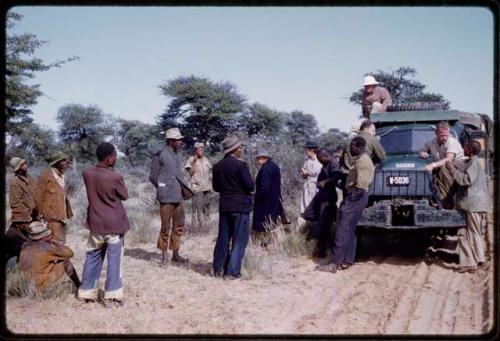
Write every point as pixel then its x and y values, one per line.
pixel 406 141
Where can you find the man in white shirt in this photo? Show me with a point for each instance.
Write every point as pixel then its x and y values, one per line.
pixel 442 149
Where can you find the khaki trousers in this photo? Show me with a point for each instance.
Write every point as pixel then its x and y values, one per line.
pixel 470 240
pixel 171 215
pixel 445 186
pixel 201 208
pixel 58 229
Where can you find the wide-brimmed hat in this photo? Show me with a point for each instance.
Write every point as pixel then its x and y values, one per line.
pixel 38 230
pixel 16 162
pixel 199 145
pixel 369 80
pixel 261 152
pixel 311 145
pixel 230 143
pixel 56 157
pixel 173 133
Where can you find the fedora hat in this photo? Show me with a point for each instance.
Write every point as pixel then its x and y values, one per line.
pixel 230 143
pixel 261 152
pixel 173 133
pixel 38 230
pixel 56 157
pixel 369 80
pixel 16 162
pixel 311 145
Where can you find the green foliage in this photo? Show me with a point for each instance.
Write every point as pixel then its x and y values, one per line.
pixel 402 87
pixel 82 128
pixel 333 138
pixel 20 66
pixel 301 126
pixel 34 144
pixel 259 119
pixel 202 109
pixel 137 140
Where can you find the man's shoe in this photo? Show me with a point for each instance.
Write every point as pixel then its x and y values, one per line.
pixel 331 267
pixel 231 277
pixel 112 303
pixel 345 266
pixel 219 273
pixel 176 258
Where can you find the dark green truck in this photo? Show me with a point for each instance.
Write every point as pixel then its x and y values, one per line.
pixel 402 195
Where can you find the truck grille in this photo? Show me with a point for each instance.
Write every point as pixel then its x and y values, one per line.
pixel 394 183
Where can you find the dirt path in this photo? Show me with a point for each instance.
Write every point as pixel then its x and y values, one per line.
pixel 390 291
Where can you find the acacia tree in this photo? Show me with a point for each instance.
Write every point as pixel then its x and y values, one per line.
pixel 403 88
pixel 35 143
pixel 301 126
pixel 82 128
pixel 20 66
pixel 202 109
pixel 137 140
pixel 259 119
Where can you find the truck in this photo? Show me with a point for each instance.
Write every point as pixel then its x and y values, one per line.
pixel 402 195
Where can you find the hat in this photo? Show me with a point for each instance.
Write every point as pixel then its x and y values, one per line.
pixel 38 230
pixel 369 80
pixel 230 143
pixel 261 152
pixel 199 145
pixel 56 157
pixel 173 133
pixel 16 162
pixel 311 145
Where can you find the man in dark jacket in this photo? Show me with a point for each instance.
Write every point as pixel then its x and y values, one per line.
pixel 107 221
pixel 232 179
pixel 166 175
pixel 266 207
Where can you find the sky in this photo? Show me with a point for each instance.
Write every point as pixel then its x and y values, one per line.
pixel 288 58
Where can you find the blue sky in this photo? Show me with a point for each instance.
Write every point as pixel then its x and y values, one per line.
pixel 288 58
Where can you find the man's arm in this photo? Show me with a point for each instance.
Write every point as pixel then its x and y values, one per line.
pixel 467 177
pixel 385 99
pixel 155 170
pixel 215 181
pixel 378 150
pixel 121 188
pixel 437 164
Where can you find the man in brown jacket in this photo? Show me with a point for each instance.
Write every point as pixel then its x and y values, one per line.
pixel 51 199
pixel 23 211
pixel 375 98
pixel 107 222
pixel 44 259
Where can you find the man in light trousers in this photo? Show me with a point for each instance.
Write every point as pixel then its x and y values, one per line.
pixel 108 223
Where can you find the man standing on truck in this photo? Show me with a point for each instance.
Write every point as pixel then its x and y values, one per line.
pixel 358 182
pixel 375 98
pixel 443 148
pixel 472 198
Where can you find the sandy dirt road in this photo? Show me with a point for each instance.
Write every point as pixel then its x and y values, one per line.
pixel 390 290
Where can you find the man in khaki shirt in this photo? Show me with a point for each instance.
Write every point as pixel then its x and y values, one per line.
pixel 357 184
pixel 375 98
pixel 200 169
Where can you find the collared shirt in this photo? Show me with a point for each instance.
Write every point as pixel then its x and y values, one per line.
pixel 439 151
pixel 313 168
pixel 200 180
pixel 379 94
pixel 361 174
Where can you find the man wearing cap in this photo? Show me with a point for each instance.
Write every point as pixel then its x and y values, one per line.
pixel 45 259
pixel 107 222
pixel 51 198
pixel 23 209
pixel 166 175
pixel 375 98
pixel 200 171
pixel 267 192
pixel 309 172
pixel 232 179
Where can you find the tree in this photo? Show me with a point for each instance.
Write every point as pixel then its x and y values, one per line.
pixel 137 140
pixel 19 67
pixel 82 129
pixel 35 144
pixel 259 119
pixel 203 110
pixel 301 126
pixel 403 88
pixel 333 138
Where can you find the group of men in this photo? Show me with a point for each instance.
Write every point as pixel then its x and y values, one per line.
pixel 41 209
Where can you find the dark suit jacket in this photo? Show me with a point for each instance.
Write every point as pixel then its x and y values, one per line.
pixel 105 191
pixel 232 179
pixel 267 196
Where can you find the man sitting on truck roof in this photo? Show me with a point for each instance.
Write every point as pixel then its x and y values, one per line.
pixel 443 148
pixel 375 98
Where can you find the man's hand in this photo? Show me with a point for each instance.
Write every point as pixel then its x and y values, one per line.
pixel 321 184
pixel 423 154
pixel 449 165
pixel 429 167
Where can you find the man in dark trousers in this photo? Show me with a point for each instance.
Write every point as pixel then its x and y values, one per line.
pixel 166 175
pixel 358 182
pixel 266 207
pixel 232 179
pixel 107 222
pixel 326 199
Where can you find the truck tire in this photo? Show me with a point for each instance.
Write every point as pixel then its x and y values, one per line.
pixel 414 106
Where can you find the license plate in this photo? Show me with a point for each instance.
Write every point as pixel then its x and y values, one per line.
pixel 398 180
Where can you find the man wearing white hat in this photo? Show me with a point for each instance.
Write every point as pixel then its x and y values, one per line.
pixel 166 175
pixel 200 170
pixel 375 98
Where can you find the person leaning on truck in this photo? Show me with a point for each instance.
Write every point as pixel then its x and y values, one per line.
pixel 472 198
pixel 443 148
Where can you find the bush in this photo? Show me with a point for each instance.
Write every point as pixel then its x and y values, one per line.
pixel 21 284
